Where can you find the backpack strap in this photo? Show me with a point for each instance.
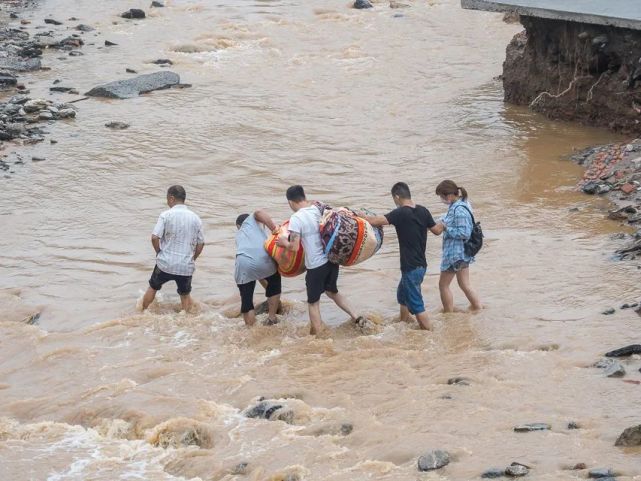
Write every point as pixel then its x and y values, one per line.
pixel 468 210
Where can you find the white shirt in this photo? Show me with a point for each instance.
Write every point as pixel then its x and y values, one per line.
pixel 179 231
pixel 252 261
pixel 306 223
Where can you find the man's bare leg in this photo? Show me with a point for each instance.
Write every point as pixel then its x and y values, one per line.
pixel 315 322
pixel 249 318
pixel 405 314
pixel 186 302
pixel 463 279
pixel 447 299
pixel 148 298
pixel 341 302
pixel 272 303
pixel 424 321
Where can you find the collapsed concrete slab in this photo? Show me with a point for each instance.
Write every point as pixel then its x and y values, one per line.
pixel 576 60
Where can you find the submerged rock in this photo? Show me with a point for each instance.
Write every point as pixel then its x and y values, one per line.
pixel 493 473
pixel 133 13
pixel 630 437
pixel 525 428
pixel 272 411
pixel 615 370
pixel 129 88
pixel 157 4
pixel 517 470
pixel 625 351
pixel 459 381
pixel 360 4
pixel 601 473
pixel 240 469
pixel 433 460
pixel 117 125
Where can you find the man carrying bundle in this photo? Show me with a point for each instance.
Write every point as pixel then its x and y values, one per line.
pixel 411 222
pixel 254 264
pixel 322 275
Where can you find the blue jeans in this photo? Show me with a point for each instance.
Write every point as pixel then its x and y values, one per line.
pixel 409 290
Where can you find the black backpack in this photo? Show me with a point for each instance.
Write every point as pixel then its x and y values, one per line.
pixel 473 245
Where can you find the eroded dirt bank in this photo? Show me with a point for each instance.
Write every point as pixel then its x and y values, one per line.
pixel 576 71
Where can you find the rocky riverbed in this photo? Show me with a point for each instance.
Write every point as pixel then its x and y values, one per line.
pixel 614 171
pixel 24 118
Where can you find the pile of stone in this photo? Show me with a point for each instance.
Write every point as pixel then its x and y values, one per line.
pixel 614 171
pixel 20 114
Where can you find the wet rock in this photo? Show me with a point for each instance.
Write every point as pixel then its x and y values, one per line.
pixel 111 44
pixel 32 319
pixel 272 411
pixel 625 351
pixel 20 64
pixel 157 4
pixel 525 428
pixel 163 61
pixel 7 80
pixel 459 381
pixel 630 437
pixel 134 13
pixel 517 470
pixel 181 86
pixel 124 89
pixel 51 21
pixel 130 70
pixel 60 89
pixel 67 113
pixel 76 53
pixel 609 311
pixel 45 115
pixel 433 460
pixel 579 466
pixel 360 4
pixel 85 28
pixel 240 469
pixel 35 105
pixel 615 370
pixel 601 473
pixel 493 473
pixel 36 158
pixel 630 306
pixel 117 125
pixel 573 425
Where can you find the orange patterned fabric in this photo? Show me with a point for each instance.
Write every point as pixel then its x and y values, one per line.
pixel 290 264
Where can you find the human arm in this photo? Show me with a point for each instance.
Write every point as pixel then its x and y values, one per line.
pixel 375 220
pixel 264 218
pixel 438 229
pixel 155 242
pixel 292 243
pixel 158 232
pixel 200 242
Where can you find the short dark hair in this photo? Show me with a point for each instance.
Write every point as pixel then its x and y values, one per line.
pixel 402 190
pixel 177 191
pixel 241 218
pixel 296 193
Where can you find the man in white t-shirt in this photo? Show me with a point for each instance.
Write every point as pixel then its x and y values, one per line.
pixel 178 241
pixel 322 275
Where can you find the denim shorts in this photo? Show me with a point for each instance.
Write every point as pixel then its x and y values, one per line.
pixel 409 290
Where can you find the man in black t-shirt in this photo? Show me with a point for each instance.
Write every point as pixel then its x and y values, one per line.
pixel 411 222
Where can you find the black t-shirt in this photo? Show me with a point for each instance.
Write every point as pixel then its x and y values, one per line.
pixel 411 225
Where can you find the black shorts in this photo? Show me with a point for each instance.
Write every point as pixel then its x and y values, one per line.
pixel 274 287
pixel 158 278
pixel 321 279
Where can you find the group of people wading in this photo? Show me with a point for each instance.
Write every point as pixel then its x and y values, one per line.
pixel 178 241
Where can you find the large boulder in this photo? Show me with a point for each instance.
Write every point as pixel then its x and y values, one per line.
pixel 433 460
pixel 126 89
pixel 630 437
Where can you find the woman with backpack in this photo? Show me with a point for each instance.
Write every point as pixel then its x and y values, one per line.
pixel 462 239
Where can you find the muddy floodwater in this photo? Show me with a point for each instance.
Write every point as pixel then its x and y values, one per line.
pixel 345 102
